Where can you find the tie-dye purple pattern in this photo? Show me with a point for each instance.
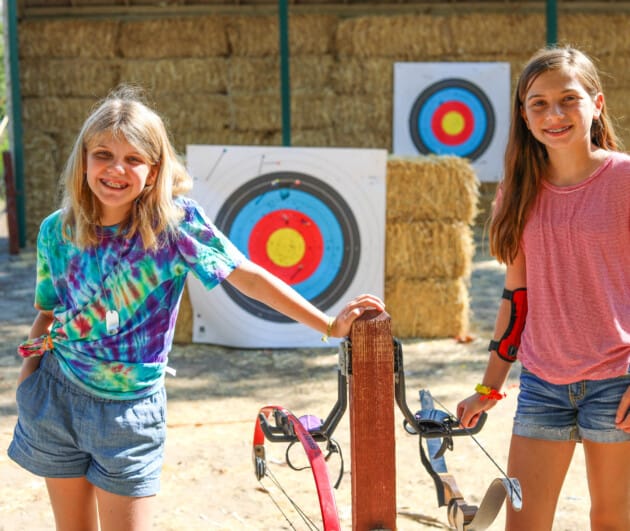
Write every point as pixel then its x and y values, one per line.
pixel 144 287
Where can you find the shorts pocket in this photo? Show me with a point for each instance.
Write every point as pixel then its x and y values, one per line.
pixel 28 380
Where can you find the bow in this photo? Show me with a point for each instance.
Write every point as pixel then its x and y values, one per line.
pixel 278 424
pixel 437 428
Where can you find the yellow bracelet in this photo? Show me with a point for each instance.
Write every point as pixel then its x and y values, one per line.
pixel 483 389
pixel 329 327
pixel 488 393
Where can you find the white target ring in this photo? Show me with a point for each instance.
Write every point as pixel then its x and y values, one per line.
pixel 314 217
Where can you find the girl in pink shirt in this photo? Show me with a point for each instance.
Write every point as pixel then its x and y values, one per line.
pixel 562 227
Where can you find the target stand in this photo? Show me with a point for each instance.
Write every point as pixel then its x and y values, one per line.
pixel 313 217
pixel 457 109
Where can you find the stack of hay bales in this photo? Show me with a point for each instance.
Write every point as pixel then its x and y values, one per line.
pixel 431 204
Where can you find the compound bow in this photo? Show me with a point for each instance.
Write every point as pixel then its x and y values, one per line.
pixel 438 429
pixel 308 430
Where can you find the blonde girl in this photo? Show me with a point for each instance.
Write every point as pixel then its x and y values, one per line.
pixel 111 267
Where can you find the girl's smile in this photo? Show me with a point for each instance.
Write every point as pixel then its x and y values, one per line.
pixel 117 173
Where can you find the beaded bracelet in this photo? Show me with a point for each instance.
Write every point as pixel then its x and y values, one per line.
pixel 488 393
pixel 329 326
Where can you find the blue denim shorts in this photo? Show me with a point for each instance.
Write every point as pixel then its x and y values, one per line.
pixel 581 410
pixel 65 432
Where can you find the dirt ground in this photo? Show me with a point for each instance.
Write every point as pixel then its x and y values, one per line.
pixel 208 482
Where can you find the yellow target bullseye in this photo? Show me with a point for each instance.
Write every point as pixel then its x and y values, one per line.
pixel 285 247
pixel 453 123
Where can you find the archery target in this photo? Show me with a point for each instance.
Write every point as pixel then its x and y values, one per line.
pixel 313 217
pixel 457 109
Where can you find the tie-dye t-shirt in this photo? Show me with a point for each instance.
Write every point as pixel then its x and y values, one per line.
pixel 145 287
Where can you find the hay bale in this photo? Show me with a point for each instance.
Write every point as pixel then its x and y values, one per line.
pixel 67 77
pixel 380 138
pixel 497 33
pixel 257 112
pixel 427 308
pixel 54 115
pixel 605 35
pixel 363 76
pixel 254 75
pixel 257 36
pixel 193 111
pixel 41 179
pixel 65 142
pixel 403 37
pixel 261 75
pixel 617 104
pixel 362 112
pixel 76 39
pixel 428 250
pixel 312 111
pixel 177 76
pixel 174 37
pixel 324 137
pixel 615 71
pixel 431 188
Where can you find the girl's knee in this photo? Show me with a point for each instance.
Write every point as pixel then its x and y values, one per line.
pixel 617 519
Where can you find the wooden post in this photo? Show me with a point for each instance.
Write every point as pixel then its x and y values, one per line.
pixel 372 438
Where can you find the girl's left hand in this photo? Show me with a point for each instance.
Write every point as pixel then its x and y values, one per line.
pixel 352 310
pixel 622 420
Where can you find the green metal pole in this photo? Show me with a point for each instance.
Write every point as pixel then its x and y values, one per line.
pixel 16 117
pixel 552 22
pixel 283 19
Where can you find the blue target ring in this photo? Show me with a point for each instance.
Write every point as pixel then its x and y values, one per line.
pixel 316 210
pixel 276 193
pixel 469 106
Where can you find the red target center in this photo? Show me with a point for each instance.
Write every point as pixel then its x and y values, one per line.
pixel 452 123
pixel 288 244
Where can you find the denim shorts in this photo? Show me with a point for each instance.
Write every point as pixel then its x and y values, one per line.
pixel 65 432
pixel 581 410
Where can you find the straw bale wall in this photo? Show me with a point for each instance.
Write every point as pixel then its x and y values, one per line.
pixel 431 205
pixel 215 80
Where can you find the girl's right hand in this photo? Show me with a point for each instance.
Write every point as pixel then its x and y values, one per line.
pixel 469 409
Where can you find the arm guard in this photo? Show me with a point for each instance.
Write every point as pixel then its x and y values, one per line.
pixel 507 346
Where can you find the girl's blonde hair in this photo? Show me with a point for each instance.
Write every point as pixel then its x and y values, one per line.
pixel 526 158
pixel 124 115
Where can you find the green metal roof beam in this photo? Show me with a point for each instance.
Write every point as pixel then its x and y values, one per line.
pixel 285 84
pixel 16 118
pixel 552 22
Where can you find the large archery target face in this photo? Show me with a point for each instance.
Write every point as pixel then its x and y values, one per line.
pixel 457 109
pixel 313 217
pixel 298 228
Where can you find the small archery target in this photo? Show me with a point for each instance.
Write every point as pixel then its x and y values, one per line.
pixel 313 217
pixel 457 109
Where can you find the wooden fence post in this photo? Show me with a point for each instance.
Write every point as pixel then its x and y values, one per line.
pixel 372 437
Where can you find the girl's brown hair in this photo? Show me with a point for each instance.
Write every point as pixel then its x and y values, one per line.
pixel 526 158
pixel 124 115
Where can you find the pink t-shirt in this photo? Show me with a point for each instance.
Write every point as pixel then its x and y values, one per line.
pixel 577 249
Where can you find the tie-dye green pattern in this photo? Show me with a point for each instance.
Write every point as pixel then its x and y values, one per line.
pixel 144 287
